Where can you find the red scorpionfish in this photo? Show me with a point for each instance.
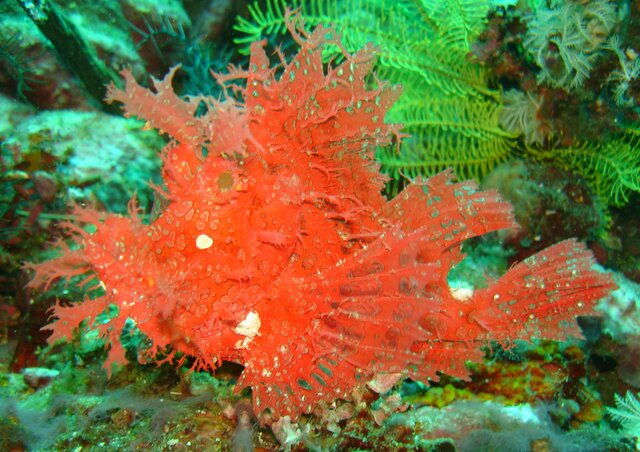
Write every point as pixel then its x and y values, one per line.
pixel 277 250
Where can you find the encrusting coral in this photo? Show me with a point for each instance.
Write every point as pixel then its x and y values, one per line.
pixel 277 250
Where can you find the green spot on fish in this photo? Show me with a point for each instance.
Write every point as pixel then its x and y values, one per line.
pixel 304 384
pixel 325 370
pixel 318 378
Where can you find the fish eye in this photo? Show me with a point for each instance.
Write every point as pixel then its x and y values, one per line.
pixel 225 181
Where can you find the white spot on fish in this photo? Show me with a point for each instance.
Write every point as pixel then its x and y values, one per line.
pixel 203 241
pixel 248 327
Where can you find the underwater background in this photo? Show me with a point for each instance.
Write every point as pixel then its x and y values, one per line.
pixel 223 230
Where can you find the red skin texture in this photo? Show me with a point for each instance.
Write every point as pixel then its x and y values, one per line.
pixel 282 229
